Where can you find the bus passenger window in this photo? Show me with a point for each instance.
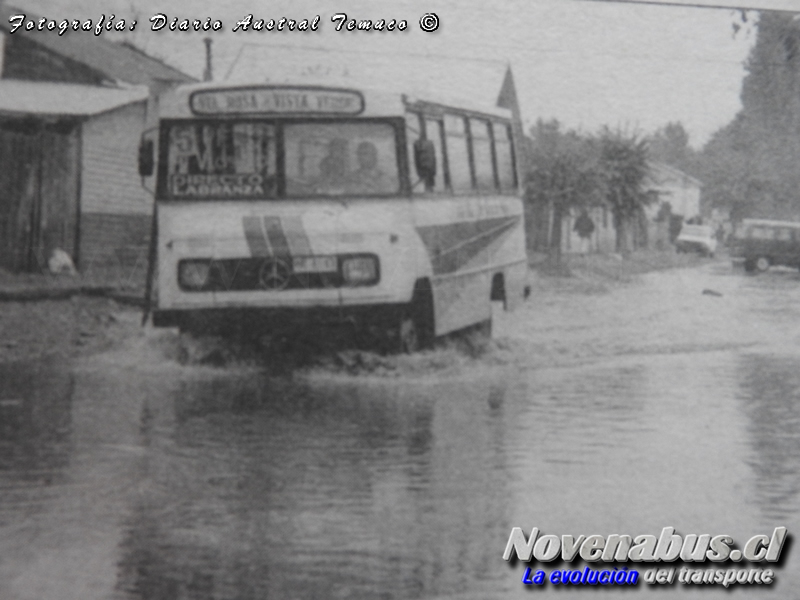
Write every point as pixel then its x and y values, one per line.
pixel 413 133
pixel 505 156
pixel 482 154
pixel 334 159
pixel 458 153
pixel 433 132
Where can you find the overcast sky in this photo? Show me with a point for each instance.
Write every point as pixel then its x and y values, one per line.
pixel 584 62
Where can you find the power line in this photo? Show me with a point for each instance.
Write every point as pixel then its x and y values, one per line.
pixel 426 55
pixel 527 49
pixel 639 56
pixel 693 5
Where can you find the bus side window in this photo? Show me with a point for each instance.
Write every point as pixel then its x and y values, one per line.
pixel 458 153
pixel 505 156
pixel 433 132
pixel 482 154
pixel 414 127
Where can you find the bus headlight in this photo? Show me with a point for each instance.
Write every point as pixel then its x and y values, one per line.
pixel 360 270
pixel 194 274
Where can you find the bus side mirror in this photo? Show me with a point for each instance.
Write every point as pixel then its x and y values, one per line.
pixel 146 158
pixel 425 162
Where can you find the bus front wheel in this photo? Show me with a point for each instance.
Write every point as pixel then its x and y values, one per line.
pixel 408 335
pixel 762 263
pixel 415 329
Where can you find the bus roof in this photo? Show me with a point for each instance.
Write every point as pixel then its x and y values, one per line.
pixel 198 100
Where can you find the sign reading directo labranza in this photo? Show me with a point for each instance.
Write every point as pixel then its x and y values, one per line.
pixel 668 547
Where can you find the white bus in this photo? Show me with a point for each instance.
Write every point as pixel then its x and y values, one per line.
pixel 283 205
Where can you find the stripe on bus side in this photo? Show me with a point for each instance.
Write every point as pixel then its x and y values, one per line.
pixel 452 246
pixel 276 236
pixel 256 240
pixel 296 236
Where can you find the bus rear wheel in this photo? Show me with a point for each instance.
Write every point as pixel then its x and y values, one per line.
pixel 762 263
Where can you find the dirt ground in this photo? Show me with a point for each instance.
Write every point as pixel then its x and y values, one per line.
pixel 66 329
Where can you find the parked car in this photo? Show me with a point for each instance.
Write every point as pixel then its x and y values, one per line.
pixel 761 243
pixel 696 238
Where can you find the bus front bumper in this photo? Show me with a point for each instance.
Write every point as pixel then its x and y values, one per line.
pixel 264 320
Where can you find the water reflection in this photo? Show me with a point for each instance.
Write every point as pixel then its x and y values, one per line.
pixel 35 418
pixel 210 484
pixel 260 487
pixel 770 396
pixel 266 488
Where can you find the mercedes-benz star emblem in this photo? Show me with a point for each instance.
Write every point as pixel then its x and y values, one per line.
pixel 274 274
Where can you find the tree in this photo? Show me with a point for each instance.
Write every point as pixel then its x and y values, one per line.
pixel 624 168
pixel 670 145
pixel 562 174
pixel 750 166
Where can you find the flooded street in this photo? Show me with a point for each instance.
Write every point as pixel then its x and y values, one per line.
pixel 673 400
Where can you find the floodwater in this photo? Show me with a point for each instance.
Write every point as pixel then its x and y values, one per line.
pixel 652 404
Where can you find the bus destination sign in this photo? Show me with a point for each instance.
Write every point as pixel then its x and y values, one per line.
pixel 276 101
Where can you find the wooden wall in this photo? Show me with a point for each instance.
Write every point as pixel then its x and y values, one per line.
pixel 39 185
pixel 115 209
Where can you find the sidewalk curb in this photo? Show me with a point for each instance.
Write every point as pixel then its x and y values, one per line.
pixel 41 294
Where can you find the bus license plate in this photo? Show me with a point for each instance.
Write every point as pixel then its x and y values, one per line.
pixel 315 264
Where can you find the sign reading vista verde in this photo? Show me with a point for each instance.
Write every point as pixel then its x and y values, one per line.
pixel 276 100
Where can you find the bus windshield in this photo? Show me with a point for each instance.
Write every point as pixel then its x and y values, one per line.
pixel 239 160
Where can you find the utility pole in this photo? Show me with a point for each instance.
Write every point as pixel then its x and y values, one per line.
pixel 208 74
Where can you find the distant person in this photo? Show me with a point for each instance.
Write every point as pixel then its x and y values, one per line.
pixel 333 168
pixel 584 226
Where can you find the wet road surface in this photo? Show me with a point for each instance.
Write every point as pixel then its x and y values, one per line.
pixel 132 477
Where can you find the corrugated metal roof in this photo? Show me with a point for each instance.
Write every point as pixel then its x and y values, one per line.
pixel 120 62
pixel 65 99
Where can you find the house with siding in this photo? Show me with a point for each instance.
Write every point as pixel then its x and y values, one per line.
pixel 72 111
pixel 676 197
pixel 673 186
pixel 667 185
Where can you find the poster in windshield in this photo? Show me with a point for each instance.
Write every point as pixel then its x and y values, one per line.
pixel 240 185
pixel 222 160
